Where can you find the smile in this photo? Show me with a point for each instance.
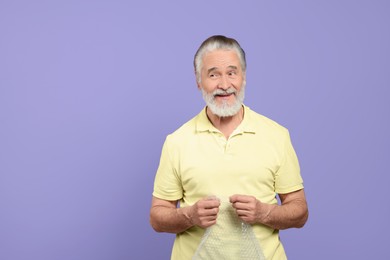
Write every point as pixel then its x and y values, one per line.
pixel 224 95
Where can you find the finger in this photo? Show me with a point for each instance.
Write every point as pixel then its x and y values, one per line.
pixel 239 198
pixel 206 220
pixel 233 198
pixel 210 212
pixel 241 205
pixel 208 224
pixel 210 204
pixel 242 212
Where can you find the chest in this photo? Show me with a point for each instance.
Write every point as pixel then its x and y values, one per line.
pixel 214 165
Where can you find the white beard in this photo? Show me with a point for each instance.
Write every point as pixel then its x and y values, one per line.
pixel 224 109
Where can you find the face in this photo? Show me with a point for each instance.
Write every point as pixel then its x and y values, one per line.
pixel 222 82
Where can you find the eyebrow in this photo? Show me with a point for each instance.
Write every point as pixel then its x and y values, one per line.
pixel 215 68
pixel 232 67
pixel 211 69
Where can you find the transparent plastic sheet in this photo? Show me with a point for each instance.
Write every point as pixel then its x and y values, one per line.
pixel 229 239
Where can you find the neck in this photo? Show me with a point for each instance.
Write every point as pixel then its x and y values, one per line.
pixel 226 124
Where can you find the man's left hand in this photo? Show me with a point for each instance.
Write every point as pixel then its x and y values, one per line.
pixel 249 209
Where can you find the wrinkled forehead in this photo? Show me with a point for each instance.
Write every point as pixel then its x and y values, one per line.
pixel 221 59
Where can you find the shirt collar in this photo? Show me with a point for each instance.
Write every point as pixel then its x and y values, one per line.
pixel 203 123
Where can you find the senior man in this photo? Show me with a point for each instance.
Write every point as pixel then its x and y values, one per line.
pixel 227 155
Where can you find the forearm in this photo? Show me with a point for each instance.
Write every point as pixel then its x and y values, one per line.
pixel 290 215
pixel 171 220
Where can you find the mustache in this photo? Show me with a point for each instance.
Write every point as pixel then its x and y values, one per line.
pixel 224 92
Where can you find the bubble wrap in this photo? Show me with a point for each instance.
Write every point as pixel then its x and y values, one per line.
pixel 229 239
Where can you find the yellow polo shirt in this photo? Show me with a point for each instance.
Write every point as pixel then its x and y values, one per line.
pixel 197 161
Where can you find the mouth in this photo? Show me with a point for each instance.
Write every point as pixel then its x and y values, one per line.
pixel 224 95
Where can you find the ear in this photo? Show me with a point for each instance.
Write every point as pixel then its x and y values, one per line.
pixel 197 83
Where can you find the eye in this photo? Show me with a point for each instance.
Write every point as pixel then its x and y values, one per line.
pixel 213 75
pixel 232 73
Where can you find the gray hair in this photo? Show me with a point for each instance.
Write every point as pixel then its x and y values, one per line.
pixel 217 42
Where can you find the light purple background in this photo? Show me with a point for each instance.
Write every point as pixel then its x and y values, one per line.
pixel 90 89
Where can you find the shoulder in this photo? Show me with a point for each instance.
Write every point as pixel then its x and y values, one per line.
pixel 185 131
pixel 264 125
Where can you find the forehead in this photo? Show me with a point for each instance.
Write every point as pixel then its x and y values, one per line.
pixel 221 59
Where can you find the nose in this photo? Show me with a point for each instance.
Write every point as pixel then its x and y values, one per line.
pixel 224 82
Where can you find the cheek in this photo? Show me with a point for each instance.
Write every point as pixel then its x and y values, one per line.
pixel 207 86
pixel 239 83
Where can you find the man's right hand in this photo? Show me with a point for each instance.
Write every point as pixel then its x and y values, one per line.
pixel 204 212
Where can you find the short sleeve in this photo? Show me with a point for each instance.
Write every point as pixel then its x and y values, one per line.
pixel 288 177
pixel 167 184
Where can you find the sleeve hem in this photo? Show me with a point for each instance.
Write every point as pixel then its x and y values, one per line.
pixel 165 197
pixel 290 189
